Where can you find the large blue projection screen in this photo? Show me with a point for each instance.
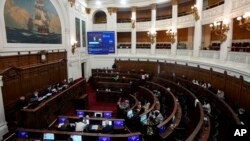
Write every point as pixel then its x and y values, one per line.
pixel 101 42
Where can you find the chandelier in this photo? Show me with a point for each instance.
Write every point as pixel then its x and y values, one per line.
pixel 244 21
pixel 152 35
pixel 219 29
pixel 171 35
pixel 195 12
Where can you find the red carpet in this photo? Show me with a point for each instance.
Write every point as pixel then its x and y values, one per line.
pixel 94 105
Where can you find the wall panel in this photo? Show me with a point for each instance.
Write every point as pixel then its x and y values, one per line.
pixel 26 74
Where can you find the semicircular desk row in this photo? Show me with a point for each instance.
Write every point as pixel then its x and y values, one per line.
pixel 167 126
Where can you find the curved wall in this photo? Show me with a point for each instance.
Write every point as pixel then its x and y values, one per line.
pixel 235 63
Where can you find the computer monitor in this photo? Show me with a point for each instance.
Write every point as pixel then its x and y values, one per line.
pixel 105 122
pixel 86 121
pixel 134 138
pixel 143 118
pixel 22 134
pixel 98 114
pixel 107 114
pixel 79 113
pixel 130 113
pixel 162 129
pixel 76 137
pixel 48 137
pixel 118 123
pixel 102 138
pixel 61 119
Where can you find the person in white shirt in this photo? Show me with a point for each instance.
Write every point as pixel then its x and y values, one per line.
pixel 207 107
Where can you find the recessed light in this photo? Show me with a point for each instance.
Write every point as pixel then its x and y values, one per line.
pixel 123 2
pixel 98 3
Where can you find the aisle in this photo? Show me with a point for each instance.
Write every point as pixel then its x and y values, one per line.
pixel 94 105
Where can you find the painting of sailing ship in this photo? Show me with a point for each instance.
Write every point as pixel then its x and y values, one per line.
pixel 32 21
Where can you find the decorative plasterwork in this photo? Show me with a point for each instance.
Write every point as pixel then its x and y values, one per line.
pixel 213 14
pixel 111 10
pixel 238 57
pixel 153 6
pixel 185 21
pixel 209 54
pixel 123 27
pixel 99 27
pixel 163 24
pixel 143 26
pixel 87 10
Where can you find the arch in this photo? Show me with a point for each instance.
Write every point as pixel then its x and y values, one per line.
pixel 99 17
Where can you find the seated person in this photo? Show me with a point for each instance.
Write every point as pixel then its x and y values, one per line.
pixel 158 117
pixel 138 106
pixel 114 66
pixel 66 126
pixel 151 124
pixel 34 97
pixel 107 128
pixel 81 124
pixel 21 103
pixel 157 105
pixel 146 106
pixel 124 105
pixel 207 107
pixel 220 94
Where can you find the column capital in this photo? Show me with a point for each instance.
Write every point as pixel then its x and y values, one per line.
pixel 1 80
pixel 133 8
pixel 153 6
pixel 174 2
pixel 88 10
pixel 111 10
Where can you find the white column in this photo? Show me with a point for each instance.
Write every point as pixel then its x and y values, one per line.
pixel 133 33
pixel 197 30
pixel 153 24
pixel 115 29
pixel 174 27
pixel 112 23
pixel 228 42
pixel 3 123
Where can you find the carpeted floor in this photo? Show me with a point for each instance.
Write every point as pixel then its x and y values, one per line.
pixel 94 105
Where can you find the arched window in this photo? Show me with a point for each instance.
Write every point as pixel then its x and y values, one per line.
pixel 100 17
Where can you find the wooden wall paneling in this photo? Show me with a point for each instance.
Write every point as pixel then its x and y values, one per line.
pixel 26 80
pixel 218 80
pixel 8 61
pixel 213 2
pixel 168 68
pixel 142 37
pixel 182 34
pixel 23 60
pixel 53 75
pixel 123 37
pixel 190 73
pixel 245 95
pixel 164 11
pixel 63 71
pixel 233 88
pixel 179 70
pixel 124 15
pixel 161 36
pixel 238 32
pixel 144 13
pixel 185 7
pixel 34 59
pixel 204 75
